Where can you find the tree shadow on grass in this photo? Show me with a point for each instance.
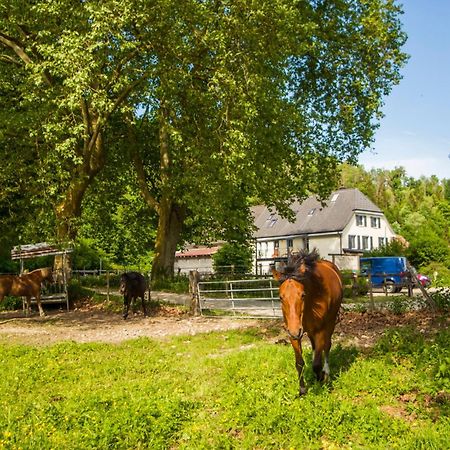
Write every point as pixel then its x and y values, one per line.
pixel 341 359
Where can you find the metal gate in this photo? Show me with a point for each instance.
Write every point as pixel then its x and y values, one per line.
pixel 256 298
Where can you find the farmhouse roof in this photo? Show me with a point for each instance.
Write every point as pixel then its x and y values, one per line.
pixel 311 217
pixel 197 252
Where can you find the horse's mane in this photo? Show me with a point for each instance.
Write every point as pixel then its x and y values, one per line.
pixel 299 264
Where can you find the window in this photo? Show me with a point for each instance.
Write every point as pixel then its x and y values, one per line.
pixel 365 242
pixel 382 241
pixel 290 245
pixel 276 249
pixel 375 222
pixel 361 220
pixel 351 241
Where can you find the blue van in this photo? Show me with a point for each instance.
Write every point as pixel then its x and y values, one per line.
pixel 390 272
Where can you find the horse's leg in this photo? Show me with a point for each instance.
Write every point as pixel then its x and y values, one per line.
pixel 28 311
pixel 126 305
pixel 38 301
pixel 143 304
pixel 299 364
pixel 317 360
pixel 326 367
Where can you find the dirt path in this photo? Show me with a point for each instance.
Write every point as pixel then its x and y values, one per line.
pixel 93 325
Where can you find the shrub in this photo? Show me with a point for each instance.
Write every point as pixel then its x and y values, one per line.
pixel 11 304
pixel 442 298
pixel 428 248
pixel 233 258
pixel 178 284
pixel 438 273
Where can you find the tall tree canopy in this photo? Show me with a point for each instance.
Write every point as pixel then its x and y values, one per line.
pixel 223 101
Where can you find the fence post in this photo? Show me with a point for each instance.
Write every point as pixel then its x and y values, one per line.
pixel 354 285
pixel 194 278
pixel 107 285
pixel 372 304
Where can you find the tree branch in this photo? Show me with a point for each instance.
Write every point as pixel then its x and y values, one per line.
pixel 18 48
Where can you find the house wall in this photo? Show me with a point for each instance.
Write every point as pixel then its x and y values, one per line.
pixel 369 231
pixel 184 265
pixel 367 235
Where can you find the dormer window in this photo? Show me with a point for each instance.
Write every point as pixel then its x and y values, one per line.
pixel 334 198
pixel 271 221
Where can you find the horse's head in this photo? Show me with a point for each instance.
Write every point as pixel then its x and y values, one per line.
pixel 47 274
pixel 292 293
pixel 293 278
pixel 123 284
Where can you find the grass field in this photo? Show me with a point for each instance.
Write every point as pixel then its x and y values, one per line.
pixel 226 390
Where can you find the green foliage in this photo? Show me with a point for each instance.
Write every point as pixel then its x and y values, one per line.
pixel 178 284
pixel 428 248
pixel 11 304
pixel 441 298
pixel 418 210
pixel 135 395
pixel 392 248
pixel 398 304
pixel 438 273
pixel 86 256
pixel 233 258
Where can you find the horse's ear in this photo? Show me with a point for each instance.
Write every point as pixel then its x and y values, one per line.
pixel 276 274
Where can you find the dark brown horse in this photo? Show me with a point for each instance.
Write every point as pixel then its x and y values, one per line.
pixel 27 285
pixel 132 286
pixel 311 294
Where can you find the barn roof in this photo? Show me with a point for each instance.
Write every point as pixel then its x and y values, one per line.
pixel 28 251
pixel 197 252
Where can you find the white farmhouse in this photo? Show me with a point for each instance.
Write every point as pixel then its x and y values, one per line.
pixel 349 223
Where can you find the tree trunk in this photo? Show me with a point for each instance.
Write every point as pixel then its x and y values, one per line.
pixel 69 210
pixel 170 224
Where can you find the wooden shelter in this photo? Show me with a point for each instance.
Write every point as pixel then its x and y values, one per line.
pixel 58 292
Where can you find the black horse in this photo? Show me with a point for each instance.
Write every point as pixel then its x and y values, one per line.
pixel 132 286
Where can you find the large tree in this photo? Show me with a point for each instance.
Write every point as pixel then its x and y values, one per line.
pixel 258 100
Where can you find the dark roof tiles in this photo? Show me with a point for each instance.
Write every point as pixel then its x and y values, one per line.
pixel 312 217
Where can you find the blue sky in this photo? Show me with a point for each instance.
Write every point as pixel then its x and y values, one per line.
pixel 415 132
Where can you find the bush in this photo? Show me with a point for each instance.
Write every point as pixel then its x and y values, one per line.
pixel 11 304
pixel 438 273
pixel 85 256
pixel 235 258
pixel 428 248
pixel 442 298
pixel 178 284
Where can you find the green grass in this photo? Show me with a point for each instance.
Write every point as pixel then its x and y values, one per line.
pixel 229 390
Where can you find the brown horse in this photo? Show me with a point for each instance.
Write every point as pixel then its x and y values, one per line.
pixel 27 285
pixel 311 294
